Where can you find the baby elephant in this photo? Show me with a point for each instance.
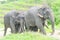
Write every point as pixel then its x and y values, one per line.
pixel 20 22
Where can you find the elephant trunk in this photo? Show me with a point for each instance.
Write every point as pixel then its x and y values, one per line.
pixel 21 29
pixel 51 17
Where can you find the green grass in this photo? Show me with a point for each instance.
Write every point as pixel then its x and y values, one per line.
pixel 27 36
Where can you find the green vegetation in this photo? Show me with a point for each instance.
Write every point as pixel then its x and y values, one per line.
pixel 27 36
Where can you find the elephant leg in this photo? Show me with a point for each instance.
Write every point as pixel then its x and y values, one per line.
pixel 12 26
pixel 19 30
pixel 41 29
pixel 5 30
pixel 27 26
pixel 21 27
pixel 40 26
pixel 12 30
pixel 17 26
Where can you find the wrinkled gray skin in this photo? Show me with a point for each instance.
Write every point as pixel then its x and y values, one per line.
pixel 20 20
pixel 14 21
pixel 32 19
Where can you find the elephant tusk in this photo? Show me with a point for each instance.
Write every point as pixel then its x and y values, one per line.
pixel 38 30
pixel 40 15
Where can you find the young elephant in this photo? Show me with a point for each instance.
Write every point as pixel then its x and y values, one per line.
pixel 20 22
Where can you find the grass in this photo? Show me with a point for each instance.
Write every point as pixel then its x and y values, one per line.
pixel 27 36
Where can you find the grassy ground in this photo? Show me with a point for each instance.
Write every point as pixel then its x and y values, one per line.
pixel 27 36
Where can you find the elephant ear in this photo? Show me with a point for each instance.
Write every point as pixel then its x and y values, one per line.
pixel 40 15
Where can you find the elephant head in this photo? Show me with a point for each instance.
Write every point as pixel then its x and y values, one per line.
pixel 47 13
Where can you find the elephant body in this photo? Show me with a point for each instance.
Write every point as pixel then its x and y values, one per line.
pixel 32 19
pixel 13 21
pixel 20 20
pixel 46 12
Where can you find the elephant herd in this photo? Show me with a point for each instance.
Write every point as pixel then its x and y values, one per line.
pixel 32 19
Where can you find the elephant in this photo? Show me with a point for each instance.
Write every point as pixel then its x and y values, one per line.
pixel 13 20
pixel 20 21
pixel 36 16
pixel 45 12
pixel 33 20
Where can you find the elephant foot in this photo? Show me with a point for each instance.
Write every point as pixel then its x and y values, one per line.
pixel 44 33
pixel 52 33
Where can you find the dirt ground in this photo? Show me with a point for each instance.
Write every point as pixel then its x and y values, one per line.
pixel 56 34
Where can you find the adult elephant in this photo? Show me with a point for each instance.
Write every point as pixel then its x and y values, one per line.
pixel 33 20
pixel 12 20
pixel 47 13
pixel 44 12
